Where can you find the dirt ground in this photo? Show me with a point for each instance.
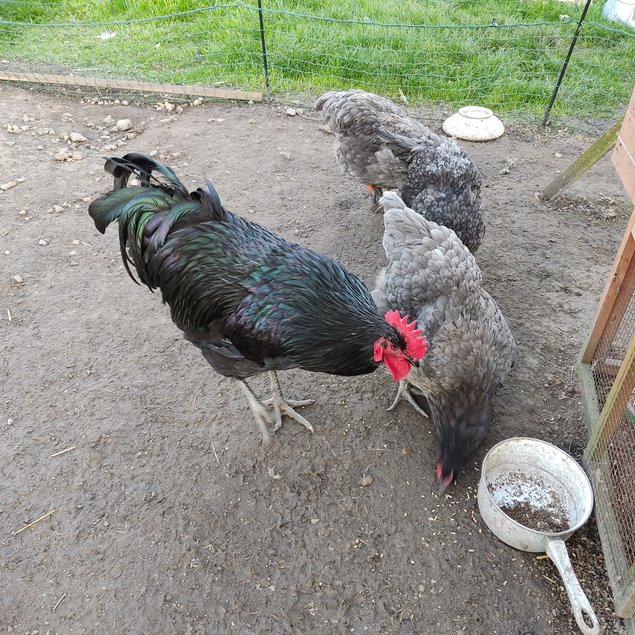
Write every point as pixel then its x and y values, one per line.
pixel 168 515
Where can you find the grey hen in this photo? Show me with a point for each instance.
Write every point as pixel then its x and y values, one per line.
pixel 432 277
pixel 444 186
pixel 359 121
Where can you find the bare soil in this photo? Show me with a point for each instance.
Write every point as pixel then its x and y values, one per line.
pixel 168 515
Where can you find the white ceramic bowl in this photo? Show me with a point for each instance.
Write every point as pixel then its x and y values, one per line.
pixel 474 123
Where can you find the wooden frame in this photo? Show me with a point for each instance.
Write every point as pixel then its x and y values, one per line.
pixel 602 421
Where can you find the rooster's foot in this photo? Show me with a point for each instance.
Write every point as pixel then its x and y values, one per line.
pixel 262 414
pixel 282 406
pixel 403 392
pixel 285 407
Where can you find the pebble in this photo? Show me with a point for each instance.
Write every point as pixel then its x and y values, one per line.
pixel 76 242
pixel 13 129
pixel 23 212
pixel 62 155
pixel 367 479
pixel 168 106
pixel 197 102
pixel 42 242
pixel 18 278
pixel 77 156
pixel 56 209
pixel 75 137
pixel 10 144
pixel 8 186
pixel 286 155
pixel 109 119
pixel 291 112
pixel 124 124
pixel 7 253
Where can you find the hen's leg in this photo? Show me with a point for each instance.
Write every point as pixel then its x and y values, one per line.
pixel 377 194
pixel 261 413
pixel 403 392
pixel 285 407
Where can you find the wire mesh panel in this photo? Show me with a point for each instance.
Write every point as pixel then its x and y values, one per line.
pixel 611 462
pixel 215 46
pixel 607 370
pixel 616 336
pixel 506 54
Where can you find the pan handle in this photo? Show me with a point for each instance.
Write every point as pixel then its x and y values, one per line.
pixel 557 551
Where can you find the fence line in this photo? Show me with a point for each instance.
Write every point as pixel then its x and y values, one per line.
pixel 449 58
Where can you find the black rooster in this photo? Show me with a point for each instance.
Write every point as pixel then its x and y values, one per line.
pixel 248 299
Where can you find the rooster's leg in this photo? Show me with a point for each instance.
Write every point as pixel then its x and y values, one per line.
pixel 403 392
pixel 285 407
pixel 261 413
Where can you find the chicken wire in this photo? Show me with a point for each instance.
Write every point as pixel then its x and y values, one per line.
pixel 611 464
pixel 615 339
pixel 446 59
pixel 611 451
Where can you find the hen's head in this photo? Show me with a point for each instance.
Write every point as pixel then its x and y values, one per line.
pixel 402 348
pixel 462 423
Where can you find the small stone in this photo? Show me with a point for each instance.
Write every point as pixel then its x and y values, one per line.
pixel 75 137
pixel 250 102
pixel 18 279
pixel 77 156
pixel 291 112
pixel 197 102
pixel 72 253
pixel 62 155
pixel 124 102
pixel 56 209
pixel 558 155
pixel 300 111
pixel 315 521
pixel 124 124
pixel 39 147
pixel 610 214
pixel 366 480
pixel 8 186
pixel 42 242
pixel 9 144
pixel 23 212
pixel 108 120
pixel 168 106
pixel 76 242
pixel 179 109
pixel 286 155
pixel 7 253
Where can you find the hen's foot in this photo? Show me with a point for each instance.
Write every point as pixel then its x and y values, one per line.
pixel 403 392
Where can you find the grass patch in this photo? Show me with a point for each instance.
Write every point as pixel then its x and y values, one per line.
pixel 456 59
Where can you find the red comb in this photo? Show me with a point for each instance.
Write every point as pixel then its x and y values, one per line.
pixel 416 343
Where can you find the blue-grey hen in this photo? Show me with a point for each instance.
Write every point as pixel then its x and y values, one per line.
pixel 251 301
pixel 432 278
pixel 377 143
pixel 444 186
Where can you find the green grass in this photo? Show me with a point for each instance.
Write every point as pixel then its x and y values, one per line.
pixel 512 69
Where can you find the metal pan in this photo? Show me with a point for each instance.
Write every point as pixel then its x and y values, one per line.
pixel 555 496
